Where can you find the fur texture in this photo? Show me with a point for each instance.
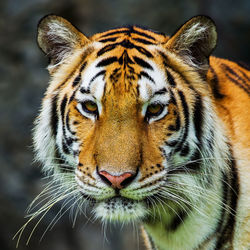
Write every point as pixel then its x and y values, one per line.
pixel 164 112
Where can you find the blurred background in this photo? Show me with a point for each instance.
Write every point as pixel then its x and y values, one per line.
pixel 23 80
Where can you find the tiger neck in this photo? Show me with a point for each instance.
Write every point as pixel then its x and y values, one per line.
pixel 198 222
pixel 179 227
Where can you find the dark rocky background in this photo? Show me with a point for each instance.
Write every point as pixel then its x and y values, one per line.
pixel 23 80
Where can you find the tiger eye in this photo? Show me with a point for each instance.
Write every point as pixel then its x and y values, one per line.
pixel 90 107
pixel 154 109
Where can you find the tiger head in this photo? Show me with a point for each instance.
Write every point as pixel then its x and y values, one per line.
pixel 123 121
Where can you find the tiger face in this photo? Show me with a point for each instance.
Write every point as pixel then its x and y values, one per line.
pixel 122 116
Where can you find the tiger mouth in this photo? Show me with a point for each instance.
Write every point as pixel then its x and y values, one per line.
pixel 118 208
pixel 121 209
pixel 113 199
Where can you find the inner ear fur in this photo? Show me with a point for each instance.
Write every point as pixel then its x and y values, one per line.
pixel 195 41
pixel 57 37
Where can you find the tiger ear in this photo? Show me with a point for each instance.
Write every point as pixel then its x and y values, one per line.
pixel 195 41
pixel 58 38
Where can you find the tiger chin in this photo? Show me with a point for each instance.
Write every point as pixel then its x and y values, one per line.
pixel 148 128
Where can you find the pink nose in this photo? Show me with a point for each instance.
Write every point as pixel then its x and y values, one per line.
pixel 115 181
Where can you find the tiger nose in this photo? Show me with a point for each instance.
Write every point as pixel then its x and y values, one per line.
pixel 117 181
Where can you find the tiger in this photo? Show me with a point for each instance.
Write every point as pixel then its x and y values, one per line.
pixel 150 129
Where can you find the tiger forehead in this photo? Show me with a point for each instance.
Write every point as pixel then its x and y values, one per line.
pixel 124 66
pixel 138 34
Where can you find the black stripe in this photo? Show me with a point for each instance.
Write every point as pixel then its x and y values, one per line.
pixel 116 32
pixel 230 70
pixel 142 34
pixel 54 115
pixel 125 44
pixel 143 41
pixel 233 191
pixel 238 84
pixel 76 81
pixel 244 74
pixel 65 147
pixel 68 126
pixel 195 162
pixel 73 96
pixel 171 127
pixel 225 183
pixel 186 115
pixel 144 51
pixel 84 91
pixel 198 118
pixel 172 97
pixel 128 45
pixel 185 150
pixel 111 39
pixel 171 143
pixel 215 85
pixel 69 77
pixel 128 31
pixel 63 166
pixel 177 123
pixel 177 220
pixel 107 61
pixel 170 79
pixel 142 63
pixel 93 78
pixel 145 74
pixel 63 105
pixel 106 49
pixel 243 85
pixel 193 165
pixel 83 66
pixel 78 78
pixel 161 91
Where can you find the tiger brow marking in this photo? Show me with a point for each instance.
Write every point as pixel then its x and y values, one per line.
pixel 128 31
pixel 111 39
pixel 107 61
pixel 125 44
pixel 170 78
pixel 161 91
pixel 146 75
pixel 84 91
pixel 106 49
pixel 116 32
pixel 144 41
pixel 98 74
pixel 142 63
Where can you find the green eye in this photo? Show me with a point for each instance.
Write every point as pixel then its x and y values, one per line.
pixel 154 109
pixel 90 107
